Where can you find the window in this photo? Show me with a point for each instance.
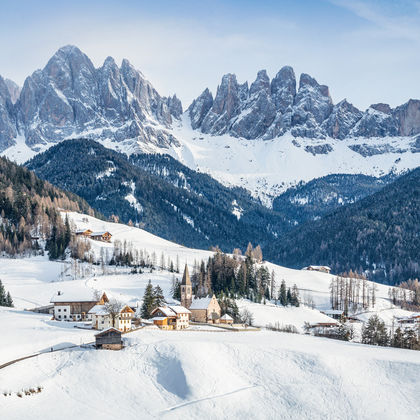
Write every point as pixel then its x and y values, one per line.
pixel 65 310
pixel 59 310
pixel 65 316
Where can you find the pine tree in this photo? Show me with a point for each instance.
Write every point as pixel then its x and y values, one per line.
pixel 283 293
pixel 148 301
pixel 398 338
pixel 289 297
pixel 176 289
pixel 159 299
pixel 295 296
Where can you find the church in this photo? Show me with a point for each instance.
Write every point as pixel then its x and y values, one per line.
pixel 206 310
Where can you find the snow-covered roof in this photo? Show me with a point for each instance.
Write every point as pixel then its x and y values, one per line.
pixel 227 317
pixel 107 330
pixel 81 295
pixel 179 309
pixel 166 310
pixel 202 303
pixel 317 267
pixel 99 233
pixel 332 312
pixel 98 310
pixel 159 318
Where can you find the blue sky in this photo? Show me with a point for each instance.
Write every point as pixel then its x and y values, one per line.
pixel 366 51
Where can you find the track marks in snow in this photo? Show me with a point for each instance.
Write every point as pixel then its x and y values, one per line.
pixel 210 397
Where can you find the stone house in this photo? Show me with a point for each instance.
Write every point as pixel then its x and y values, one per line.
pixel 205 310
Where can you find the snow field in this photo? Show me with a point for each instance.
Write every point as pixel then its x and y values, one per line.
pixel 262 375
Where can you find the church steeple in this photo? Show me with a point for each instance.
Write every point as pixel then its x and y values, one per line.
pixel 186 289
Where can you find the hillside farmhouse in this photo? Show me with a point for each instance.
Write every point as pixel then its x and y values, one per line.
pixel 320 268
pixel 109 339
pixel 75 305
pixel 409 321
pixel 101 236
pixel 173 317
pixel 84 232
pixel 102 319
pixel 202 309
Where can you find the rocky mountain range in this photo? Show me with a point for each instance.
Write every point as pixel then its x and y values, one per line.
pixel 270 108
pixel 69 97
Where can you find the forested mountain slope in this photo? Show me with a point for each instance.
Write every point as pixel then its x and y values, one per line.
pixel 311 200
pixel 160 194
pixel 379 234
pixel 29 211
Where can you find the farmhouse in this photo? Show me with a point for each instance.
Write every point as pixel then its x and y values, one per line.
pixel 75 305
pixel 322 328
pixel 410 320
pixel 205 310
pixel 101 236
pixel 109 339
pixel 102 318
pixel 333 313
pixel 320 268
pixel 84 232
pixel 171 317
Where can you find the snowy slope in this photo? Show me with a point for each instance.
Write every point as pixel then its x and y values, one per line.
pixel 204 375
pixel 269 167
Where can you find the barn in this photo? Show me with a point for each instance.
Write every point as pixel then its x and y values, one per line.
pixel 109 339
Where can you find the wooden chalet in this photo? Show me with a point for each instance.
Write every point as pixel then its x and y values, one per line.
pixel 320 268
pixel 75 306
pixel 104 236
pixel 409 321
pixel 174 317
pixel 109 339
pixel 333 313
pixel 83 232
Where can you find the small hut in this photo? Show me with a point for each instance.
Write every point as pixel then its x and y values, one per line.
pixel 109 339
pixel 226 319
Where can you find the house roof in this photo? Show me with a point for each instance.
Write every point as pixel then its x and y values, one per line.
pixel 159 318
pixel 227 317
pixel 83 295
pixel 172 310
pixel 98 310
pixel 165 310
pixel 201 303
pixel 99 233
pixel 108 330
pixel 317 267
pixel 178 309
pixel 332 312
pixel 83 230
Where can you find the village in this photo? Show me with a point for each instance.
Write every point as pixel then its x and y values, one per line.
pixel 93 309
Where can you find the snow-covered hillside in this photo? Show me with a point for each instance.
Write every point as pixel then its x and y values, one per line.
pixel 176 374
pixel 269 167
pixel 208 375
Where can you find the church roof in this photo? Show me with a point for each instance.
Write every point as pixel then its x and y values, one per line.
pixel 186 277
pixel 202 303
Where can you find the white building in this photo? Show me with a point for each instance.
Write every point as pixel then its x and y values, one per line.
pixel 75 305
pixel 102 319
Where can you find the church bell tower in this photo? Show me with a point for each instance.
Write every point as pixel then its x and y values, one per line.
pixel 186 289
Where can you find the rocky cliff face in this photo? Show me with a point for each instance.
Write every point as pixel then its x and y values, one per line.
pixel 270 108
pixel 7 117
pixel 70 98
